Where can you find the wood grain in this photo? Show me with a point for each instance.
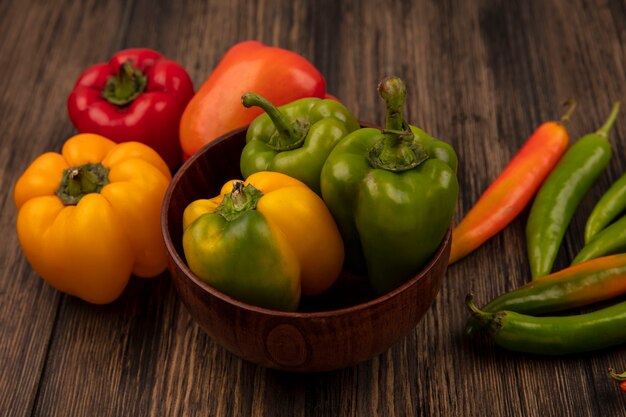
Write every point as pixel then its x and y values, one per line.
pixel 482 75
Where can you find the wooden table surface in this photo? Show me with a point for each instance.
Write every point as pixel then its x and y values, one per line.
pixel 482 75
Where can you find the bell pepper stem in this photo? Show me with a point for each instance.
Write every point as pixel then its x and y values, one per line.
pixel 571 106
pixel 79 181
pixel 289 135
pixel 398 151
pixel 608 125
pixel 393 91
pixel 238 196
pixel 241 199
pixel 125 86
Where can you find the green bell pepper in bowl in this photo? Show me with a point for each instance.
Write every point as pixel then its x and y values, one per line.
pixel 393 194
pixel 294 139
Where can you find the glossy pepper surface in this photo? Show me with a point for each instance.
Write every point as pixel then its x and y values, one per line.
pixel 89 217
pixel 264 242
pixel 139 95
pixel 561 193
pixel 513 189
pixel 279 75
pixel 590 282
pixel 393 194
pixel 554 335
pixel 608 241
pixel 296 138
pixel 607 209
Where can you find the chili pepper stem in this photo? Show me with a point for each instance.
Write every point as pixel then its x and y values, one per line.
pixel 571 106
pixel 289 135
pixel 621 378
pixel 79 181
pixel 617 377
pixel 482 317
pixel 492 322
pixel 606 127
pixel 125 86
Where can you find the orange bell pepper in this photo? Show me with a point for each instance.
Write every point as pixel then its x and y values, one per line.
pixel 89 217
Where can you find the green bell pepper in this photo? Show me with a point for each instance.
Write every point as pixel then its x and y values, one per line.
pixel 392 193
pixel 294 139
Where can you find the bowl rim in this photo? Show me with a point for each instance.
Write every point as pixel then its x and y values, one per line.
pixel 182 265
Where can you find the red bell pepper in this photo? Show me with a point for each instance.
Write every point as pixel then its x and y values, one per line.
pixel 279 75
pixel 139 95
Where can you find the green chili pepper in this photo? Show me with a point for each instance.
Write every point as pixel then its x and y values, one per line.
pixel 609 241
pixel 561 193
pixel 597 280
pixel 392 193
pixel 294 139
pixel 610 205
pixel 554 335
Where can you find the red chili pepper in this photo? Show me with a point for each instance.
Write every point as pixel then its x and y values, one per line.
pixel 279 75
pixel 513 189
pixel 139 95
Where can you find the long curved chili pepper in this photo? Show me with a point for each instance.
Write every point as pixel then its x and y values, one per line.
pixel 514 187
pixel 610 205
pixel 561 193
pixel 554 335
pixel 621 378
pixel 590 282
pixel 609 241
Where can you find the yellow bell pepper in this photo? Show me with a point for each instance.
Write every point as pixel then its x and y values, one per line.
pixel 264 241
pixel 89 217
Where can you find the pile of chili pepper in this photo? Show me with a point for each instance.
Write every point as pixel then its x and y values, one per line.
pixel 516 320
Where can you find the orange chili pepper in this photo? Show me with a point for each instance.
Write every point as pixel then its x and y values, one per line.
pixel 513 189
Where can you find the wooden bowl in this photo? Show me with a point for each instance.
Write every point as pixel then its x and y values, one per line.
pixel 345 326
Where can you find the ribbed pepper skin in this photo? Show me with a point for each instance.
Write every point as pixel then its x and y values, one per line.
pixel 90 248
